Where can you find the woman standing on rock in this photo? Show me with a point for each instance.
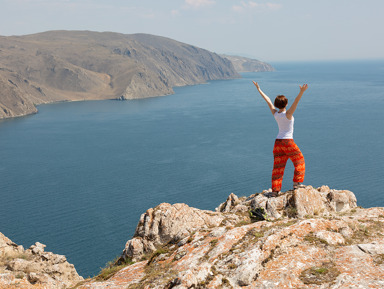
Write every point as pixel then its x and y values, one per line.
pixel 285 147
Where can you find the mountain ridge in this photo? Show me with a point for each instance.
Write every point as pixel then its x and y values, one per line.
pixel 62 65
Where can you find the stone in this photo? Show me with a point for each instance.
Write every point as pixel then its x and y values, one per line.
pixel 34 268
pixel 341 201
pixel 168 223
pixel 372 248
pixel 229 204
pixel 38 248
pixel 331 238
pixel 308 201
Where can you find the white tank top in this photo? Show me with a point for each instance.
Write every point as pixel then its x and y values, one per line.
pixel 285 125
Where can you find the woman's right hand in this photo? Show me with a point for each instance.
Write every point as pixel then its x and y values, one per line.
pixel 256 84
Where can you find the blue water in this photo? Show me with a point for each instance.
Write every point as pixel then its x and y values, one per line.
pixel 77 176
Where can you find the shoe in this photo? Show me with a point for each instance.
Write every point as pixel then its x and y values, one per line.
pixel 271 194
pixel 298 186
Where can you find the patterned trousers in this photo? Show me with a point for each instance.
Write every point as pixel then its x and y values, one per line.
pixel 283 150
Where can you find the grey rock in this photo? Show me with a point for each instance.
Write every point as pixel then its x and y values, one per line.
pixel 372 248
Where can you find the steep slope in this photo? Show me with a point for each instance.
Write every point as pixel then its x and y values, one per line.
pixel 83 65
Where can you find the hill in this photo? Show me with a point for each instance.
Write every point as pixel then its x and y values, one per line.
pixel 58 66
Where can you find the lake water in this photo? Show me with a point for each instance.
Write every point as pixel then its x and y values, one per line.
pixel 77 176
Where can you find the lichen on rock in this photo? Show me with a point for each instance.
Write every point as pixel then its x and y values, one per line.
pixel 313 238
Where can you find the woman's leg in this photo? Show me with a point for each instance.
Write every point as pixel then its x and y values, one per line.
pixel 279 161
pixel 298 161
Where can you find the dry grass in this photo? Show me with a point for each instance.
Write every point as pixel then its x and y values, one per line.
pixel 159 274
pixel 325 273
pixel 112 268
pixel 6 258
pixel 311 238
pixel 290 212
pixel 365 232
pixel 157 253
pixel 243 223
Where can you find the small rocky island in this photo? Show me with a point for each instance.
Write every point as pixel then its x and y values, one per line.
pixel 304 238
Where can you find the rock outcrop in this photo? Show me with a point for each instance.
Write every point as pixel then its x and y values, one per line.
pixel 172 224
pixel 34 268
pixel 310 238
pixel 313 238
pixel 83 65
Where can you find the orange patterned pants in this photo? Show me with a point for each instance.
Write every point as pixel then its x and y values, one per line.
pixel 283 150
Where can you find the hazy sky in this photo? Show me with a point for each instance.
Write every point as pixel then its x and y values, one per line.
pixel 270 30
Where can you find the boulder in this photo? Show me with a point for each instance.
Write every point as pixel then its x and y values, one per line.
pixel 306 202
pixel 34 267
pixel 168 223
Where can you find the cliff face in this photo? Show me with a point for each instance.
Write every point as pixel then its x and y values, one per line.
pixel 306 238
pixel 312 238
pixel 83 65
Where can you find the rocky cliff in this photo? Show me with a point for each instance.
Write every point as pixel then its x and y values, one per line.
pixel 34 268
pixel 304 238
pixel 83 65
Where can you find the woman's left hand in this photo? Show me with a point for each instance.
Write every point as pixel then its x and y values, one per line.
pixel 303 87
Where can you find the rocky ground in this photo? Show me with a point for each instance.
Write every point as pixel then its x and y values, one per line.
pixel 313 238
pixel 34 268
pixel 310 238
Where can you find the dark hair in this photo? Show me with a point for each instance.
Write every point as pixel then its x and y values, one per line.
pixel 281 101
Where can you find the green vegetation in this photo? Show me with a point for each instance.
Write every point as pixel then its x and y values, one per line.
pixel 112 268
pixel 213 243
pixel 158 252
pixel 365 232
pixel 286 224
pixel 325 273
pixel 243 223
pixel 6 258
pixel 291 212
pixel 270 257
pixel 311 238
pixel 160 274
pixel 19 276
pixel 232 266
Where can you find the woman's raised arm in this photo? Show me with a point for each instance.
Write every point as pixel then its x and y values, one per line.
pixel 266 98
pixel 293 107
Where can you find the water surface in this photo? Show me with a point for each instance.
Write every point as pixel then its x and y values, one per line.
pixel 77 176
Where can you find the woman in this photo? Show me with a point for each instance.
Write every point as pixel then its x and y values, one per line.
pixel 285 147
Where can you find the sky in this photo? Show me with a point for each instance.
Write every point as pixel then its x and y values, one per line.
pixel 270 30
